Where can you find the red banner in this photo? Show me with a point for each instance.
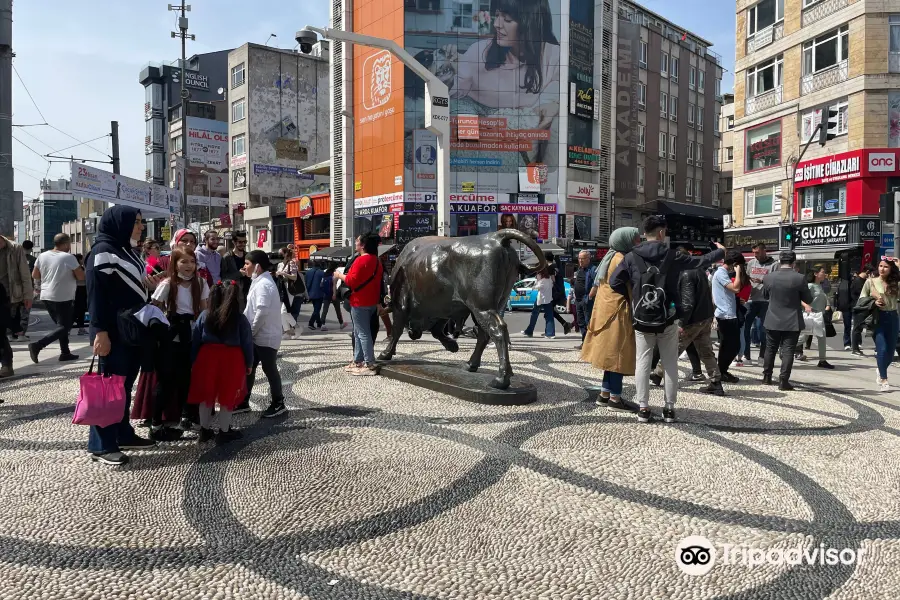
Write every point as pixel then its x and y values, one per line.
pixel 868 255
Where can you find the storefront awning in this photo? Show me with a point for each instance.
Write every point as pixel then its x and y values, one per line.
pixel 332 253
pixel 322 168
pixel 690 210
pixel 385 248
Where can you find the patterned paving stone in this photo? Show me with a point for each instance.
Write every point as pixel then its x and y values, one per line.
pixel 374 489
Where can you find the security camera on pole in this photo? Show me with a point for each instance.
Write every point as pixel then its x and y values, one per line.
pixel 437 103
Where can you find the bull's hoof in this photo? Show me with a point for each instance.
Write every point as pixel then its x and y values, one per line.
pixel 385 355
pixel 500 383
pixel 472 367
pixel 449 344
pixel 414 335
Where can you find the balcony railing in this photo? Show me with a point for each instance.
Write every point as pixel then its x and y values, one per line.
pixel 764 101
pixel 820 10
pixel 823 79
pixel 764 37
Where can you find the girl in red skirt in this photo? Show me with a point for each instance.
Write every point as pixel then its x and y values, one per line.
pixel 223 356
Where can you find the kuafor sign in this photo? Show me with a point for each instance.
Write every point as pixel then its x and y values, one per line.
pixel 584 191
pixel 882 162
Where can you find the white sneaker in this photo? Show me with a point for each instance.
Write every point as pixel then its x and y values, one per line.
pixel 847 348
pixel 684 356
pixel 885 386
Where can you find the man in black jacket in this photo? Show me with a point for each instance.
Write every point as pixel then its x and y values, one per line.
pixel 655 255
pixel 695 309
pixel 852 325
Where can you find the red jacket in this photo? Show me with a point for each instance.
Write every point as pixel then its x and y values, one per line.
pixel 360 272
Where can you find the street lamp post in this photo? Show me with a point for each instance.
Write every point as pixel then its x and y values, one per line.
pixel 437 104
pixel 208 197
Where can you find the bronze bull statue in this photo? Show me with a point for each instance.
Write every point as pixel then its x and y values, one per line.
pixel 439 280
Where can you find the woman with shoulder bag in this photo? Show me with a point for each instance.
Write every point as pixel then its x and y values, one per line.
pixel 886 290
pixel 363 282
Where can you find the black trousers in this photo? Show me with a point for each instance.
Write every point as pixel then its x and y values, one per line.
pixel 173 382
pixel 80 309
pixel 268 358
pixel 337 309
pixel 6 353
pixel 61 313
pixel 786 343
pixel 730 342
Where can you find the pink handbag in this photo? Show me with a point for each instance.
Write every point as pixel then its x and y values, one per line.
pixel 101 399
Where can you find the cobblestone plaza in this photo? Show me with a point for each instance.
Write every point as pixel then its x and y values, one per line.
pixel 370 488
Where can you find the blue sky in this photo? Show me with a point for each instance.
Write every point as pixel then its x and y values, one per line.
pixel 81 60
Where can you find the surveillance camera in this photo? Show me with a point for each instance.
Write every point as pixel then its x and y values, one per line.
pixel 306 39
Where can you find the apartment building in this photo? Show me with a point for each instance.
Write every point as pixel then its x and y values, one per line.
pixel 678 117
pixel 796 59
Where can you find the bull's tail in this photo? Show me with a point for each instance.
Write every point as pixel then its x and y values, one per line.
pixel 505 236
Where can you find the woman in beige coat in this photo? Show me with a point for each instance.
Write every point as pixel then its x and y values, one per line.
pixel 609 344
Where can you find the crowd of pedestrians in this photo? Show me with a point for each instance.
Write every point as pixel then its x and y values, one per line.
pixel 653 304
pixel 192 327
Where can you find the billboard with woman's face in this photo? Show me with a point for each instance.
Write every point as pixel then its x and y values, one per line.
pixel 500 59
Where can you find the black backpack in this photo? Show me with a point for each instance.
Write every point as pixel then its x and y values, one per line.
pixel 651 309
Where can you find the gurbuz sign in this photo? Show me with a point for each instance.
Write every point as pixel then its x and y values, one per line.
pixel 824 234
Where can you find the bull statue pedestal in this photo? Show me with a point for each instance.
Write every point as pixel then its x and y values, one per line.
pixel 440 281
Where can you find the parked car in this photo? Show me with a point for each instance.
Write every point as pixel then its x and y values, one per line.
pixel 524 294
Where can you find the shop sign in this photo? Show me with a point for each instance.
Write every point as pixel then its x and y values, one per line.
pixel 414 207
pixel 280 170
pixel 839 167
pixel 468 186
pixel 824 234
pixel 887 240
pixel 882 162
pixel 580 156
pixel 368 211
pixel 763 146
pixel 306 207
pixel 313 249
pixel 238 161
pixel 527 208
pixel 745 240
pixel 463 207
pixel 411 227
pixel 378 200
pixel 870 229
pixel 585 191
pixel 806 214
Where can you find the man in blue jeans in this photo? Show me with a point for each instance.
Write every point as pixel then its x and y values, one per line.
pixel 757 267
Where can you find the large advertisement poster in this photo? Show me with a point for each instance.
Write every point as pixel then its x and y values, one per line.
pixel 207 151
pixel 582 95
pixel 97 184
pixel 628 48
pixel 500 60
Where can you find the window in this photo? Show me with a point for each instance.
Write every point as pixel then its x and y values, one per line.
pixel 812 118
pixel 765 76
pixel 660 182
pixel 716 161
pixel 672 184
pixel 237 110
pixel 808 3
pixel 640 181
pixel 673 108
pixel 663 104
pixel 237 75
pixel 764 14
pixel 763 146
pixel 664 64
pixel 642 133
pixel 730 123
pixel 690 152
pixel 715 190
pixel 718 87
pixel 673 69
pixel 701 84
pixel 764 200
pixel 663 144
pixel 237 145
pixel 894 21
pixel 829 200
pixel 698 187
pixel 642 95
pixel 729 153
pixel 692 80
pixel 716 123
pixel 699 158
pixel 673 139
pixel 700 118
pixel 644 54
pixel 689 188
pixel 728 184
pixel 175 144
pixel 826 50
pixel 691 110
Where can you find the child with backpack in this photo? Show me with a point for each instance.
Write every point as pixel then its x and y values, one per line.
pixel 222 355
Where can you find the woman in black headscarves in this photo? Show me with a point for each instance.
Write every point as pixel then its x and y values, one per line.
pixel 116 282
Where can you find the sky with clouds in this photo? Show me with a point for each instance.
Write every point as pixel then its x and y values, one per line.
pixel 81 60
